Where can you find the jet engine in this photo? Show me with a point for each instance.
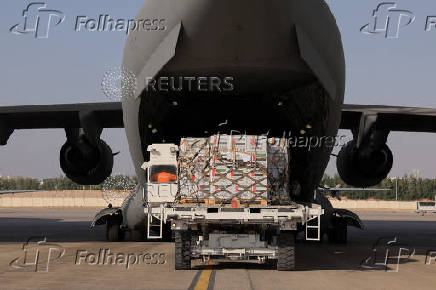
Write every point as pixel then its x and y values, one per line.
pixel 86 163
pixel 364 166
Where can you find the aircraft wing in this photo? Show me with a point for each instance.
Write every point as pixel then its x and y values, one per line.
pixel 390 118
pixel 92 117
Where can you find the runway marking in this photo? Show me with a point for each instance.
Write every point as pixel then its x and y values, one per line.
pixel 249 280
pixel 203 280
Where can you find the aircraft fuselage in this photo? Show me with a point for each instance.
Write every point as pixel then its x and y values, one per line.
pixel 284 59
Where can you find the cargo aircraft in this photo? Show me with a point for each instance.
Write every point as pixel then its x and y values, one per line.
pixel 284 68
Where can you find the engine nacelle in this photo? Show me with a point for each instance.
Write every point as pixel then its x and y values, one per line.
pixel 364 166
pixel 85 163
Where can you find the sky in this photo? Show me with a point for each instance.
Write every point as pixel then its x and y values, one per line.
pixel 69 65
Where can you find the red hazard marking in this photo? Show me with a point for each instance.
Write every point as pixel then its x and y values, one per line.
pixel 213 172
pixel 233 173
pixel 254 188
pixel 193 177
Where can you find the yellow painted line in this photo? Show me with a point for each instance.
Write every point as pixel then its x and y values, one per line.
pixel 203 281
pixel 204 278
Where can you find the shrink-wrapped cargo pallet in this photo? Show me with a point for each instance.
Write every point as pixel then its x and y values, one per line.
pixel 239 167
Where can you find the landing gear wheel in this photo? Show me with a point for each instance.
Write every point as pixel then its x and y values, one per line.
pixel 167 233
pixel 137 236
pixel 183 250
pixel 286 258
pixel 338 234
pixel 113 232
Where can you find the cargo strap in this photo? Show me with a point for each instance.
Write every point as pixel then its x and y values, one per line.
pixel 205 164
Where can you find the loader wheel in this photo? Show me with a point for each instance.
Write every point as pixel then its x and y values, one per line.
pixel 183 250
pixel 338 234
pixel 286 258
pixel 113 232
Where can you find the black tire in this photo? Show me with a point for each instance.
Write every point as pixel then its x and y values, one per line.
pixel 137 236
pixel 286 258
pixel 167 233
pixel 183 250
pixel 114 233
pixel 339 233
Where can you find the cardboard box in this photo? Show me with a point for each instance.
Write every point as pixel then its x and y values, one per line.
pixel 245 167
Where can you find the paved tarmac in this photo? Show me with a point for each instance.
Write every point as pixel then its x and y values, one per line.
pixel 82 259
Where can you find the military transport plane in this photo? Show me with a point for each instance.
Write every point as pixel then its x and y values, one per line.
pixel 288 75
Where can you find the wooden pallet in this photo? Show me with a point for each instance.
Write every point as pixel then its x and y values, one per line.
pixel 225 202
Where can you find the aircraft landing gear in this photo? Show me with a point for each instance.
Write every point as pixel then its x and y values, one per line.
pixel 338 234
pixel 167 233
pixel 137 235
pixel 113 231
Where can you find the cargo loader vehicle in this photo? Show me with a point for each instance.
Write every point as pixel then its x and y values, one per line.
pixel 226 197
